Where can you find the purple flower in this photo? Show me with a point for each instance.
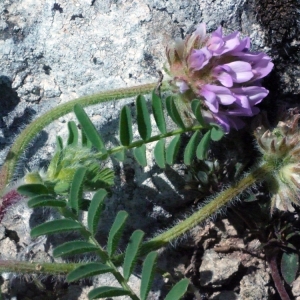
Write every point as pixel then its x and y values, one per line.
pixel 234 72
pixel 199 58
pixel 247 97
pixel 215 95
pixel 222 72
pixel 220 45
pixel 260 62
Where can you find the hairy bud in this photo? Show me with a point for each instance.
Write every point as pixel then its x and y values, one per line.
pixel 281 150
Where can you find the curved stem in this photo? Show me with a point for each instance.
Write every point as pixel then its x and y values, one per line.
pixel 205 212
pixel 18 147
pixel 161 240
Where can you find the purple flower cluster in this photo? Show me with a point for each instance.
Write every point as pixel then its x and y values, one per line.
pixel 222 72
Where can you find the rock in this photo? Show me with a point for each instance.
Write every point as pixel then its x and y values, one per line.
pixel 2 232
pixel 54 51
pixel 225 295
pixel 217 271
pixel 8 249
pixel 254 286
pixel 134 282
pixel 296 287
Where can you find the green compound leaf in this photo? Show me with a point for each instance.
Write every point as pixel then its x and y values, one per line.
pixel 73 134
pixel 178 290
pixel 289 266
pixel 131 253
pixel 160 154
pixel 45 200
pixel 89 128
pixel 120 155
pixel 158 113
pixel 173 112
pixel 33 189
pixel 196 108
pixel 125 126
pixel 107 292
pixel 73 248
pixel 116 232
pixel 97 178
pixel 203 146
pixel 95 210
pixel 88 270
pixel 55 226
pixel 143 118
pixel 148 274
pixel 106 177
pixel 216 133
pixel 172 150
pixel 59 143
pixel 190 150
pixel 140 155
pixel 75 197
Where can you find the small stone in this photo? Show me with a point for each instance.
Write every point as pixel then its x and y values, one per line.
pixel 8 249
pixel 255 286
pixel 229 228
pixel 225 295
pixel 217 271
pixel 296 287
pixel 2 232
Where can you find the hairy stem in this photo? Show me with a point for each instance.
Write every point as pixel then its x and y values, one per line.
pixel 27 135
pixel 101 253
pixel 205 212
pixel 154 138
pixel 161 240
pixel 37 267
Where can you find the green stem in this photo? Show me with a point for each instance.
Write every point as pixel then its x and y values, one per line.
pixel 27 135
pixel 106 259
pixel 102 254
pixel 161 240
pixel 205 212
pixel 37 268
pixel 61 269
pixel 154 138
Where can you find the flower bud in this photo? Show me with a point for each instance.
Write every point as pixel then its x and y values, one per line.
pixel 281 150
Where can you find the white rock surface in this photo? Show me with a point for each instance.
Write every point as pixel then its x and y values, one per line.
pixel 52 51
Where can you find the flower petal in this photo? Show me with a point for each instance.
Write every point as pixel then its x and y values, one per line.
pixel 199 58
pixel 240 71
pixel 201 30
pixel 255 94
pixel 211 99
pixel 220 45
pixel 224 78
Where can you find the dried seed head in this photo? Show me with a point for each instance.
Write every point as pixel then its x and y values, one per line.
pixel 281 150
